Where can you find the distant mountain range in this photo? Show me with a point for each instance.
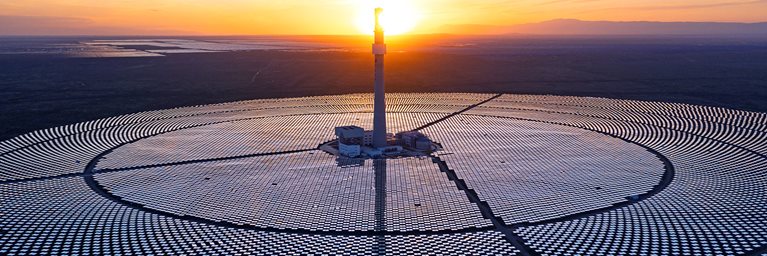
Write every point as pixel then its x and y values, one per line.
pixel 579 27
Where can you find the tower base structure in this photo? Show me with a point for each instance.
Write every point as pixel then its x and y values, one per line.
pixel 355 142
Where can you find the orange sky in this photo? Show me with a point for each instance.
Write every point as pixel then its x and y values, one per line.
pixel 338 16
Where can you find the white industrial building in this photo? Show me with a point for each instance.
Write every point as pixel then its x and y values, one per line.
pixel 350 140
pixel 353 141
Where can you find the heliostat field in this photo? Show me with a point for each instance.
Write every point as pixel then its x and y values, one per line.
pixel 517 175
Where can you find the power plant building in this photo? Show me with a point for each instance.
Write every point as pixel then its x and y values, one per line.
pixel 350 140
pixel 414 140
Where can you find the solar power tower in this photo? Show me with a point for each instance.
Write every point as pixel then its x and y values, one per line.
pixel 379 107
pixel 379 131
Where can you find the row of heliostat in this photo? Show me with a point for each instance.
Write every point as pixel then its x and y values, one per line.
pixel 718 155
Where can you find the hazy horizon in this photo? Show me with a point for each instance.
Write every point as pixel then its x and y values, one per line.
pixel 342 17
pixel 555 27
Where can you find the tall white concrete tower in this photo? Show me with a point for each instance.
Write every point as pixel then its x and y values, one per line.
pixel 379 104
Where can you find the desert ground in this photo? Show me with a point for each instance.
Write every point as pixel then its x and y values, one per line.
pixel 42 91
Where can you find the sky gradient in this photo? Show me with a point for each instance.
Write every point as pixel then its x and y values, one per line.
pixel 240 17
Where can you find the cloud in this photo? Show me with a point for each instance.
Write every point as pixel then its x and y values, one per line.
pixel 684 7
pixel 59 26
pixel 551 2
pixel 711 5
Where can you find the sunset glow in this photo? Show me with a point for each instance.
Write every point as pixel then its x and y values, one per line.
pixel 399 16
pixel 341 17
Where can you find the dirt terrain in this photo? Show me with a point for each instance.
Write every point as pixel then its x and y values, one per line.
pixel 42 91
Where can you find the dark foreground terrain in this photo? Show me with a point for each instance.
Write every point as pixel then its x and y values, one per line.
pixel 42 91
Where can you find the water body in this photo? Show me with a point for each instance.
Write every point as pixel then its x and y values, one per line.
pixel 106 47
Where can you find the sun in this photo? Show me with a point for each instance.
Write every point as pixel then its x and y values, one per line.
pixel 398 17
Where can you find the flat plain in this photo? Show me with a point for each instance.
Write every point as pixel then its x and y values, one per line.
pixel 47 90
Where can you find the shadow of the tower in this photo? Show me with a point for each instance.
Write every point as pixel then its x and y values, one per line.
pixel 379 165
